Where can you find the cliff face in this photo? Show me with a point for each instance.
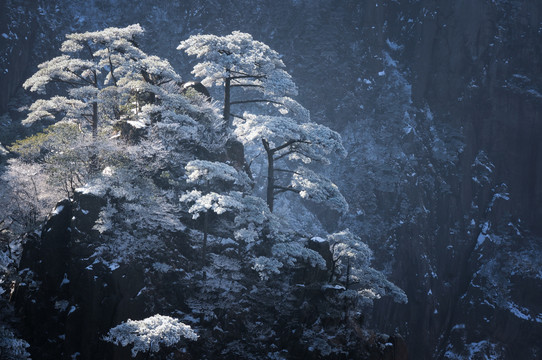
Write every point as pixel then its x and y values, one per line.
pixel 439 106
pixel 17 29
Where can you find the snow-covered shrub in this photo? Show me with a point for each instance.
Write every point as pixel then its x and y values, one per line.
pixel 149 334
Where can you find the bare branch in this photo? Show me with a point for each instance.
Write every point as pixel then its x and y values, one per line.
pixel 247 85
pixel 255 101
pixel 237 116
pixel 111 67
pixel 287 171
pixel 82 78
pixel 281 189
pixel 284 154
pixel 247 75
pixel 87 46
pixel 285 145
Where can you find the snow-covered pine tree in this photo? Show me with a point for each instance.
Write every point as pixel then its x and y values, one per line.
pixel 177 169
pixel 104 80
pixel 99 70
pixel 280 127
pixel 351 259
pixel 209 177
pixel 240 62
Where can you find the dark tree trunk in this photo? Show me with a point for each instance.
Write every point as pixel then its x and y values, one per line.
pixel 94 125
pixel 227 104
pixel 94 120
pixel 270 174
pixel 205 232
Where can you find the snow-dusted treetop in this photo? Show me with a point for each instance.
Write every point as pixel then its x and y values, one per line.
pixel 306 141
pixel 238 56
pixel 317 188
pixel 283 138
pixel 76 41
pixel 100 69
pixel 344 244
pixel 112 51
pixel 239 61
pixel 148 334
pixel 352 259
pixel 218 203
pixel 203 172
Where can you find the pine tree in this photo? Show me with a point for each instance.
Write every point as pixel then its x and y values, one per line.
pixel 239 61
pixel 100 71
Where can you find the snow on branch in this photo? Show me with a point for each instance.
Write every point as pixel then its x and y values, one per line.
pixel 218 203
pixel 148 334
pixel 306 142
pixel 352 259
pixel 291 251
pixel 239 56
pixel 75 42
pixel 47 109
pixel 101 71
pixel 319 189
pixel 203 172
pixel 277 129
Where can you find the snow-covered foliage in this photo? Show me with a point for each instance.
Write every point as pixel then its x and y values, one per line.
pixel 240 57
pixel 307 142
pixel 149 334
pixel 12 347
pixel 170 193
pixel 239 61
pixel 27 196
pixel 204 172
pixel 102 71
pixel 65 155
pixel 148 209
pixel 218 203
pixel 317 188
pixel 352 260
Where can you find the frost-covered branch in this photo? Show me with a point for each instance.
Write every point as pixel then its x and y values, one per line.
pixel 149 334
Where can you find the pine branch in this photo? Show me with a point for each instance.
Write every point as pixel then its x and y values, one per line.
pixel 247 76
pixel 87 46
pixel 247 85
pixel 112 68
pixel 287 171
pixel 285 145
pixel 82 78
pixel 67 82
pixel 281 189
pixel 284 154
pixel 255 101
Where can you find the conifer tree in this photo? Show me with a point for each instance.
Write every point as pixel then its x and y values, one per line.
pixel 239 61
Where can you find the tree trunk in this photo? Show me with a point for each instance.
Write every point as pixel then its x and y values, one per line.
pixel 227 88
pixel 205 232
pixel 94 125
pixel 347 285
pixel 270 174
pixel 94 120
